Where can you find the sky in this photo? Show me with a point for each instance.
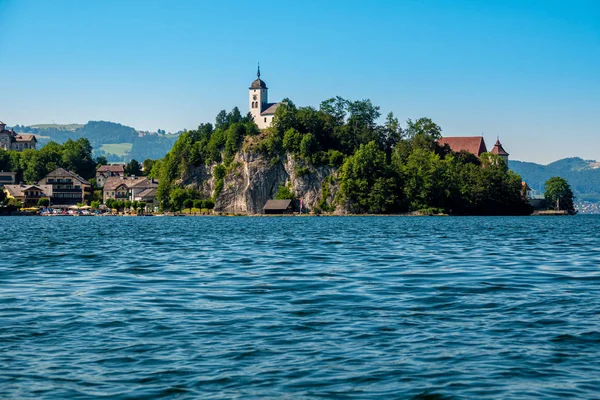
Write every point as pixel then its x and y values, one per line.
pixel 525 71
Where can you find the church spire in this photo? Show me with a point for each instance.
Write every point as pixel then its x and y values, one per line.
pixel 258 71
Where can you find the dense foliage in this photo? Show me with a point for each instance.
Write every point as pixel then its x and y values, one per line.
pixel 32 165
pixel 559 195
pixel 380 168
pixel 204 146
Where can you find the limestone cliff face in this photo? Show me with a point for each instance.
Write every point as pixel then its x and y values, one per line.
pixel 252 179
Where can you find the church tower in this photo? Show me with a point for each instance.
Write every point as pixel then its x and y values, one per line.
pixel 258 100
pixel 499 151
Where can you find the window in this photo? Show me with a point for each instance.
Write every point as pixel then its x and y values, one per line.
pixel 265 119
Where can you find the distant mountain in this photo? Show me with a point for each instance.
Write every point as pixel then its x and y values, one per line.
pixel 115 141
pixel 582 175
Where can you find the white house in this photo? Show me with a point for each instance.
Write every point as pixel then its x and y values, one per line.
pixel 258 99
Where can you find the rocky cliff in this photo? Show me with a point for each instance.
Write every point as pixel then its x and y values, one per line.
pixel 252 179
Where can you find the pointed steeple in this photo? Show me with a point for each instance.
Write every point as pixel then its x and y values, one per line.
pixel 258 83
pixel 498 149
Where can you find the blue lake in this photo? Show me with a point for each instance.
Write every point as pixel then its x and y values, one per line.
pixel 291 307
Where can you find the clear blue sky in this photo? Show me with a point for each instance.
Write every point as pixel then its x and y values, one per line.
pixel 527 71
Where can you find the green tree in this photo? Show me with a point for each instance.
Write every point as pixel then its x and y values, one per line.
pixel 77 157
pixel 291 141
pixel 559 195
pixel 367 183
pixel 148 164
pixel 133 168
pixel 95 204
pixel 101 160
pixel 307 145
pixel 188 203
pixel 177 197
pixel 285 192
pixel 43 202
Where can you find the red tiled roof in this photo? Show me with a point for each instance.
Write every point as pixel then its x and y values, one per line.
pixel 472 144
pixel 498 150
pixel 112 168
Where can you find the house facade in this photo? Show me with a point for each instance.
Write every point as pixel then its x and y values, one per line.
pixel 148 196
pixel 68 188
pixel 10 140
pixel 27 195
pixel 106 171
pixel 127 187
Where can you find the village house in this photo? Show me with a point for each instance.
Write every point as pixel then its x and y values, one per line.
pixel 148 196
pixel 127 187
pixel 106 171
pixel 10 140
pixel 67 188
pixel 27 195
pixel 258 97
pixel 7 178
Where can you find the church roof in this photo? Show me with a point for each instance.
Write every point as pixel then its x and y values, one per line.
pixel 472 144
pixel 258 83
pixel 270 108
pixel 498 149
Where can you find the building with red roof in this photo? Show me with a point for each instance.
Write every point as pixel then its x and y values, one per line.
pixel 472 144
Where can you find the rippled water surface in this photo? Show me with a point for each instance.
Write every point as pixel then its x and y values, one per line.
pixel 365 307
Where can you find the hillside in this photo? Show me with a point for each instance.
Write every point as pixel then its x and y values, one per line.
pixel 335 159
pixel 582 175
pixel 114 141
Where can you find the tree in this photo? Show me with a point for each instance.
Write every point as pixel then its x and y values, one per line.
pixel 148 164
pixel 284 193
pixel 101 160
pixel 423 126
pixel 367 183
pixel 95 204
pixel 188 203
pixel 177 197
pixel 43 202
pixel 133 168
pixel 559 195
pixel 291 141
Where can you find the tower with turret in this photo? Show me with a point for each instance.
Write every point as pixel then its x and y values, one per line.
pixel 258 101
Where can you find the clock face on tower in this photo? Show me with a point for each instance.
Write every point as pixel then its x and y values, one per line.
pixel 254 97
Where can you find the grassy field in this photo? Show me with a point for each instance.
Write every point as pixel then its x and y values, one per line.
pixel 117 148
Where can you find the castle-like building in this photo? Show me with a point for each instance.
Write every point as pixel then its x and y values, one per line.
pixel 10 140
pixel 258 100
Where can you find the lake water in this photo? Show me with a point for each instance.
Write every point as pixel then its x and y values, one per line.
pixel 356 307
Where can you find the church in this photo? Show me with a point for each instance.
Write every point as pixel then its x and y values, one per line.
pixel 258 99
pixel 10 140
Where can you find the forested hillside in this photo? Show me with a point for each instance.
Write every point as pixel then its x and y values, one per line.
pixel 118 143
pixel 582 175
pixel 336 158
